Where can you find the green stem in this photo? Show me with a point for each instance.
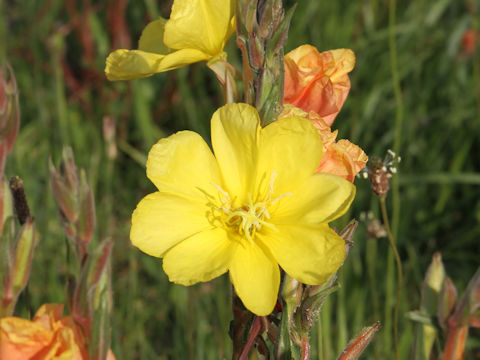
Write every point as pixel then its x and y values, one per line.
pixel 399 115
pixel 399 109
pixel 399 272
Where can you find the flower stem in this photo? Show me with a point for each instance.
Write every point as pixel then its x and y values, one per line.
pixel 243 321
pixel 256 326
pixel 305 348
pixel 399 272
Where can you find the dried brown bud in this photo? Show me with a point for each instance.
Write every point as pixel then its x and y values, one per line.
pixel 380 172
pixel 20 200
pixel 379 177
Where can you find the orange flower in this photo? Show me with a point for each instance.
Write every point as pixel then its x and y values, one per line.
pixel 469 41
pixel 318 81
pixel 340 157
pixel 48 336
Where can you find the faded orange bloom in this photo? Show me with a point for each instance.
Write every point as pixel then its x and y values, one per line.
pixel 469 41
pixel 48 336
pixel 317 81
pixel 341 157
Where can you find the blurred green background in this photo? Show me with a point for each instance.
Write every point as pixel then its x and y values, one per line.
pixel 432 119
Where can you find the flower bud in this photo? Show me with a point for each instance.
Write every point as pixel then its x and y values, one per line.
pixel 65 188
pixel 446 302
pixel 262 28
pixel 23 253
pixel 432 285
pixel 86 219
pixel 17 266
pixel 467 311
pixel 101 300
pixel 6 203
pixel 75 202
pixel 426 333
pixel 355 348
pixel 92 299
pixel 9 112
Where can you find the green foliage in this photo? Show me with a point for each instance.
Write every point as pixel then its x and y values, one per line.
pixel 57 49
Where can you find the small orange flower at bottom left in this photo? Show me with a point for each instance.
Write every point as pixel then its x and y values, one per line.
pixel 48 336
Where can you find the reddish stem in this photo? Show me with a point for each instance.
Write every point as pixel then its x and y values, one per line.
pixel 256 326
pixel 305 349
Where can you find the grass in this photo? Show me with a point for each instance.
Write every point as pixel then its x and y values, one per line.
pixel 58 51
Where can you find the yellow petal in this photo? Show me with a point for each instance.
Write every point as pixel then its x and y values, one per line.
pixel 63 347
pixel 183 164
pixel 201 257
pixel 309 254
pixel 320 199
pixel 290 149
pixel 344 60
pixel 205 25
pixel 135 64
pixel 162 220
pixel 235 129
pixel 358 155
pixel 152 38
pixel 256 278
pixel 48 315
pixel 328 136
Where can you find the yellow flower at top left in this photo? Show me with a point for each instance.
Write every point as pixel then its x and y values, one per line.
pixel 196 31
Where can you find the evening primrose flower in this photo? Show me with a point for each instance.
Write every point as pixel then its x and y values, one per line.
pixel 47 336
pixel 342 157
pixel 317 81
pixel 253 206
pixel 196 31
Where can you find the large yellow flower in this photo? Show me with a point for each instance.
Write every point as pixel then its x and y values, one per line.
pixel 255 205
pixel 196 31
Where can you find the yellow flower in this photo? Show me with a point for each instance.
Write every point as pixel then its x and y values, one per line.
pixel 254 206
pixel 196 31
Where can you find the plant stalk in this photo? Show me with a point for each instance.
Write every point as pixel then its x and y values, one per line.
pixel 399 273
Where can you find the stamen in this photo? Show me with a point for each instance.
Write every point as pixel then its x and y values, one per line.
pixel 281 196
pixel 251 216
pixel 223 192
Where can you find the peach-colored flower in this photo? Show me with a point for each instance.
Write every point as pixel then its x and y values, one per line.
pixel 48 336
pixel 318 81
pixel 341 157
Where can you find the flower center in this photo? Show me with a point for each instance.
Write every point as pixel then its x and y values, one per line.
pixel 249 218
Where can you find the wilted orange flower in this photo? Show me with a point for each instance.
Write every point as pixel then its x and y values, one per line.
pixel 340 157
pixel 48 336
pixel 469 41
pixel 318 81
